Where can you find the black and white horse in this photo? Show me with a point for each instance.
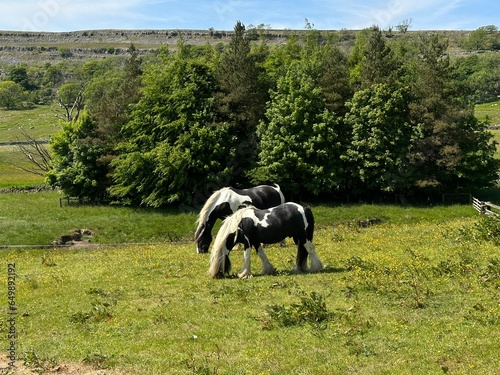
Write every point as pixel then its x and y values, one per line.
pixel 253 227
pixel 225 202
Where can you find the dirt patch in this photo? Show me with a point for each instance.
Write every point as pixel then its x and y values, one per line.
pixel 77 237
pixel 62 369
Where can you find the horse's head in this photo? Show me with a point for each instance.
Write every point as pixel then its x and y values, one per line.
pixel 203 238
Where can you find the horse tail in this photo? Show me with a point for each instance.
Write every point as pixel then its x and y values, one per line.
pixel 280 193
pixel 219 261
pixel 310 223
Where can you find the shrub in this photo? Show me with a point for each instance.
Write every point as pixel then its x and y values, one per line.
pixel 311 309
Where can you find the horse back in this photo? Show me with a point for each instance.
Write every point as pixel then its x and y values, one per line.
pixel 263 196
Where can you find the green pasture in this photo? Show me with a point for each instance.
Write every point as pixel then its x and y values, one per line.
pixel 11 160
pixel 415 294
pixel 38 219
pixel 489 111
pixel 40 123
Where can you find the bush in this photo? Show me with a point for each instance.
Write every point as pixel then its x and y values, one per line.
pixel 311 309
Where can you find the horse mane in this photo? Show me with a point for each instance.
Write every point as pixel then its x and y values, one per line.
pixel 229 225
pixel 205 210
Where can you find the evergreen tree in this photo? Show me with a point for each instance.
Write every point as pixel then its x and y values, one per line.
pixel 454 146
pixel 334 79
pixel 19 74
pixel 242 94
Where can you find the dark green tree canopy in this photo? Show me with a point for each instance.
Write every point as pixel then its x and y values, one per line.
pixel 299 146
pixel 356 113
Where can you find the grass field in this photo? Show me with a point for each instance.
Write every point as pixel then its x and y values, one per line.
pixel 490 111
pixel 40 122
pixel 11 159
pixel 420 297
pixel 22 225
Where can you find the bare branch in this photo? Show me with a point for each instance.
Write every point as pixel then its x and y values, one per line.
pixel 71 108
pixel 36 153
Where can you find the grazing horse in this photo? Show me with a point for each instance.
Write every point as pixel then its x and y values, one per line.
pixel 253 227
pixel 225 202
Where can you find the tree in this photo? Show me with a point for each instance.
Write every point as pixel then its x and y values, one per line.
pixel 79 161
pixel 372 60
pixel 65 52
pixel 334 79
pixel 378 64
pixel 483 38
pixel 299 147
pixel 242 95
pixel 12 95
pixel 19 74
pixel 382 136
pixel 109 96
pixel 37 155
pixel 174 146
pixel 454 151
pixel 479 76
pixel 69 97
pixel 404 26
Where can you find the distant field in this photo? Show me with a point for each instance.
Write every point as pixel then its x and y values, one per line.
pixel 10 174
pixel 490 110
pixel 39 122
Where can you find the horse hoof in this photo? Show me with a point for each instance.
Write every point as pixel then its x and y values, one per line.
pixel 268 271
pixel 244 275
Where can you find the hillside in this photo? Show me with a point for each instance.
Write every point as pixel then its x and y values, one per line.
pixel 32 47
pixel 41 47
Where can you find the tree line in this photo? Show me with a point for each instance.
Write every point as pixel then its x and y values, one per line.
pixel 389 115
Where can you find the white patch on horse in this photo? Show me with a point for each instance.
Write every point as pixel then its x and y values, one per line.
pixel 263 223
pixel 235 200
pixel 303 213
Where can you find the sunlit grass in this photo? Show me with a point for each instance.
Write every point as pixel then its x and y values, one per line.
pixel 38 219
pixel 40 123
pixel 490 111
pixel 412 298
pixel 11 174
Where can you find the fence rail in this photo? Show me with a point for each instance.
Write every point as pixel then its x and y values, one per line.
pixel 485 208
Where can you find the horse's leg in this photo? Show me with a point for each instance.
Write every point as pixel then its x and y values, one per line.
pixel 301 262
pixel 267 267
pixel 316 264
pixel 245 270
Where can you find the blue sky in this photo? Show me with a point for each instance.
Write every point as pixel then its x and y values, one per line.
pixel 72 15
